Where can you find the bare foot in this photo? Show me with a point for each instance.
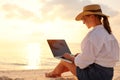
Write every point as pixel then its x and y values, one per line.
pixel 52 75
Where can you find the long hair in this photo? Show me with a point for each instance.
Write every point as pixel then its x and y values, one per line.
pixel 105 23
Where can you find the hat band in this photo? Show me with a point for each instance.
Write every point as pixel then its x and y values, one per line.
pixel 99 10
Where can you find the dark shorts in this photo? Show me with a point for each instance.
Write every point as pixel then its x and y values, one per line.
pixel 95 72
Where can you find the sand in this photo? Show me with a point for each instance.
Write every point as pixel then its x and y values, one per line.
pixel 39 75
pixel 31 75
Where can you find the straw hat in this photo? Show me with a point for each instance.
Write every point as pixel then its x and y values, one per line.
pixel 90 9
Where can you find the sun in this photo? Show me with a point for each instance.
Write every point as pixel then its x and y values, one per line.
pixel 33 55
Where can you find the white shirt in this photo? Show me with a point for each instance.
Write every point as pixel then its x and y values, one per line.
pixel 98 47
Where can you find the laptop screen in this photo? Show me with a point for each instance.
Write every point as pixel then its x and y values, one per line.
pixel 58 47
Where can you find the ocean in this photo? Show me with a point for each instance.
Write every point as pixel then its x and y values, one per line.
pixel 32 56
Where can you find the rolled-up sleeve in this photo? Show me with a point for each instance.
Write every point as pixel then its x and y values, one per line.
pixel 98 47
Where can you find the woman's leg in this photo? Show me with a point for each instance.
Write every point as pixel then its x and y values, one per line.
pixel 62 67
pixel 70 67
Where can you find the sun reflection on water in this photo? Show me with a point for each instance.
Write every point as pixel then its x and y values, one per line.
pixel 33 55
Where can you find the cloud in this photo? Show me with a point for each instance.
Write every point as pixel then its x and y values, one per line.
pixel 14 11
pixel 108 10
pixel 51 9
pixel 68 9
pixel 65 9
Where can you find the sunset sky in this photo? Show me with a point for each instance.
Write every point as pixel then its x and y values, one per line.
pixel 34 21
pixel 37 20
pixel 26 24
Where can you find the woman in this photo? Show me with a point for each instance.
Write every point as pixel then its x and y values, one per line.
pixel 100 50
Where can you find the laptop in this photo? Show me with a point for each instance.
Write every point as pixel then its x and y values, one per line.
pixel 58 48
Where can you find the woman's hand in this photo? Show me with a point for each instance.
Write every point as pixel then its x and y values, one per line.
pixel 68 56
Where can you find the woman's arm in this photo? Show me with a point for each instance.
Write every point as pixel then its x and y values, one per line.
pixel 70 57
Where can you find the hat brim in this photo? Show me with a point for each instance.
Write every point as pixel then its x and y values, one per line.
pixel 80 16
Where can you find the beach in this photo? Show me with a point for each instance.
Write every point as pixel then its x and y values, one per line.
pixel 31 75
pixel 26 25
pixel 24 66
pixel 38 74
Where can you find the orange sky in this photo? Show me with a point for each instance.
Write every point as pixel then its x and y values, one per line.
pixel 37 20
pixel 26 24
